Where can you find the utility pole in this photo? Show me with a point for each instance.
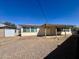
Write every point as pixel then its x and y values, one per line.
pixel 44 15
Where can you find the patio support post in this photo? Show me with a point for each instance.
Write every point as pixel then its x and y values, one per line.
pixel 45 32
pixel 65 33
pixel 56 32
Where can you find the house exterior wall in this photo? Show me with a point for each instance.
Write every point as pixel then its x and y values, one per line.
pixel 66 32
pixel 17 32
pixel 10 32
pixel 29 33
pixel 2 33
pixel 40 32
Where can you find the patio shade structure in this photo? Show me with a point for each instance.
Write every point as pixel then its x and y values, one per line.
pixel 53 26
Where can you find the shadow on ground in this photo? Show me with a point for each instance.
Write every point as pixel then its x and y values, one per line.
pixel 67 50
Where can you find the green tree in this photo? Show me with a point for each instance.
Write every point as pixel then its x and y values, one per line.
pixel 75 28
pixel 10 24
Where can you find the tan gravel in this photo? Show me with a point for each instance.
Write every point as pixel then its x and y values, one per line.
pixel 28 47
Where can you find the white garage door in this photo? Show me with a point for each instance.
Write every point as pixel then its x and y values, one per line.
pixel 9 32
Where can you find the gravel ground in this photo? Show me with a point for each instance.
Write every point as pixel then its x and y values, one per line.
pixel 28 47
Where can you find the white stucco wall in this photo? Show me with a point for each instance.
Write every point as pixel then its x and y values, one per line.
pixel 40 31
pixel 29 33
pixel 10 32
pixel 17 32
pixel 67 33
pixel 63 33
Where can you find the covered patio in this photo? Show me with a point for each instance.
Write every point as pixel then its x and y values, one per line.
pixel 52 29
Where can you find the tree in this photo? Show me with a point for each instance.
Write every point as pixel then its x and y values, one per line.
pixel 10 24
pixel 75 28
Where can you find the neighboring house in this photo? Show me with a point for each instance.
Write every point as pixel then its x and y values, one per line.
pixel 6 31
pixel 46 29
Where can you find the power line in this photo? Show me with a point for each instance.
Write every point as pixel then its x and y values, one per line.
pixel 42 10
pixel 44 14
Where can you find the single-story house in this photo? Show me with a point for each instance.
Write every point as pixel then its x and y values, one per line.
pixel 44 30
pixel 6 31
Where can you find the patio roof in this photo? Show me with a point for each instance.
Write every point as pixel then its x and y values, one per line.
pixel 55 25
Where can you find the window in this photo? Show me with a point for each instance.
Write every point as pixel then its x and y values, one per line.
pixel 24 29
pixel 33 29
pixel 27 29
pixel 30 29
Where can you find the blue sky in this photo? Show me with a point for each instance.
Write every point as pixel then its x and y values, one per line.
pixel 29 12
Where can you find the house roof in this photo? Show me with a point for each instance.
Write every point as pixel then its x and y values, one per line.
pixel 2 25
pixel 30 25
pixel 5 26
pixel 45 25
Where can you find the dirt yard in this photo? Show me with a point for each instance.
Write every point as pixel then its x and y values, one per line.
pixel 28 47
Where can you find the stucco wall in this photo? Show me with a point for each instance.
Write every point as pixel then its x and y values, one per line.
pixel 29 33
pixel 40 31
pixel 68 33
pixel 10 33
pixel 2 33
pixel 17 32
